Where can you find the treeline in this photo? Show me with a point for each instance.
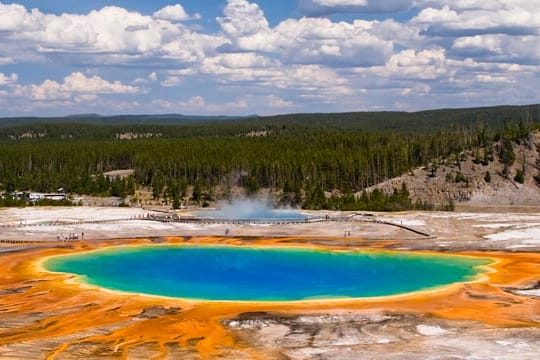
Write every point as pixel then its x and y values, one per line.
pixel 376 200
pixel 344 160
pixel 8 201
pixel 297 161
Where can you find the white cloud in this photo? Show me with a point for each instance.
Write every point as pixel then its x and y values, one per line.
pixel 174 13
pixel 6 60
pixel 449 52
pixel 148 79
pixel 487 30
pixel 322 41
pixel 306 40
pixel 8 79
pixel 486 78
pixel 307 80
pixel 405 35
pixel 243 18
pixel 490 5
pixel 430 79
pixel 14 17
pixel 313 78
pixel 246 26
pixel 111 34
pixel 75 86
pixel 194 102
pixel 244 60
pixel 171 81
pixel 409 64
pixel 500 48
pixel 471 18
pixel 416 89
pixel 78 82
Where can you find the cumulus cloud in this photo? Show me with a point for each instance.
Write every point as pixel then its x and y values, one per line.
pixel 468 18
pixel 75 85
pixel 244 60
pixel 500 48
pixel 310 81
pixel 243 18
pixel 112 32
pixel 444 52
pixel 303 41
pixel 194 102
pixel 319 40
pixel 489 30
pixel 246 26
pixel 148 79
pixel 75 93
pixel 411 64
pixel 174 13
pixel 8 79
pixel 314 81
pixel 110 29
pixel 171 81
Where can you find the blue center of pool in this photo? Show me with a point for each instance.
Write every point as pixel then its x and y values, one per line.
pixel 263 274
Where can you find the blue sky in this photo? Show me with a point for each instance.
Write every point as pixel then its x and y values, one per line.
pixel 266 57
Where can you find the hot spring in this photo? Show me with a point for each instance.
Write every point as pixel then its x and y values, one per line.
pixel 226 273
pixel 252 209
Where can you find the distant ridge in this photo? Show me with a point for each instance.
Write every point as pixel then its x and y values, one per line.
pixel 97 119
pixel 82 115
pixel 382 120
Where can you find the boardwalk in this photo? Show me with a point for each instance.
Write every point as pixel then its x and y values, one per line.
pixel 67 223
pixel 163 218
pixel 274 221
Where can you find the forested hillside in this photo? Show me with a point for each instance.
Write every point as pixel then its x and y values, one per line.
pixel 298 157
pixel 175 126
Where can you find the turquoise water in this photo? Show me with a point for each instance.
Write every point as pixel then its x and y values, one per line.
pixel 257 274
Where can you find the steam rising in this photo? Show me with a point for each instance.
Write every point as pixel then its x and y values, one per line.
pixel 253 209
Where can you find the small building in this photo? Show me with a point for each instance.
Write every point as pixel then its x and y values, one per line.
pixel 119 174
pixel 57 197
pixel 17 195
pixel 36 196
